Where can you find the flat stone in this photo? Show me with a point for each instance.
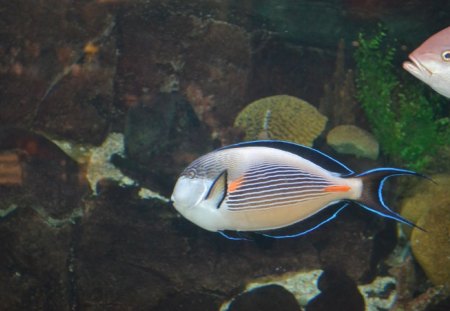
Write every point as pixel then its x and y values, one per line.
pixel 265 298
pixel 350 139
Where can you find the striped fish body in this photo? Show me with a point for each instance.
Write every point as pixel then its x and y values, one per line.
pixel 266 185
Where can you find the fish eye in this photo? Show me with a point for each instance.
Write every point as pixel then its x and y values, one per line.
pixel 446 56
pixel 190 173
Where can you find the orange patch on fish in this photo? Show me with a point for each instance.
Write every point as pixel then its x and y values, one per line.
pixel 343 188
pixel 235 184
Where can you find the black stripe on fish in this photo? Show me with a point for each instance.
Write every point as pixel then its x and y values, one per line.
pixel 313 155
pixel 272 203
pixel 277 175
pixel 270 186
pixel 218 190
pixel 206 166
pixel 272 171
pixel 269 192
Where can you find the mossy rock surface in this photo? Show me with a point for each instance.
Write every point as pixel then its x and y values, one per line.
pixel 281 117
pixel 429 208
pixel 432 248
pixel 350 139
pixel 425 194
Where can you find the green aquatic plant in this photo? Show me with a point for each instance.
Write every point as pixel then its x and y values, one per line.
pixel 402 114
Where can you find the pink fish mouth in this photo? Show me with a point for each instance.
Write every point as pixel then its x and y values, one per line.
pixel 416 68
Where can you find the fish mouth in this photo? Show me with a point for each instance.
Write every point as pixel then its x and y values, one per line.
pixel 416 68
pixel 188 193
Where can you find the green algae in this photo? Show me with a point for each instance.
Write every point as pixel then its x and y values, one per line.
pixel 404 115
pixel 5 212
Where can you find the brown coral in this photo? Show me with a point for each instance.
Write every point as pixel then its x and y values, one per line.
pixel 281 117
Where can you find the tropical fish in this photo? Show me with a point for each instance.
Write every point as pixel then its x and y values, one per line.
pixel 260 186
pixel 430 62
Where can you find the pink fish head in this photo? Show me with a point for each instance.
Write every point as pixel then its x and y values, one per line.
pixel 430 62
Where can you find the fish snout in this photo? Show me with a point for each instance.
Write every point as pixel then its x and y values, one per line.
pixel 188 193
pixel 415 67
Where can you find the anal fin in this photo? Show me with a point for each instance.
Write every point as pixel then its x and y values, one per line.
pixel 308 225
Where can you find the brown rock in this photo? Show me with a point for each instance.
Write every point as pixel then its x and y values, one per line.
pixel 51 82
pixel 186 53
pixel 432 248
pixel 265 298
pixel 424 195
pixel 52 182
pixel 36 224
pixel 36 257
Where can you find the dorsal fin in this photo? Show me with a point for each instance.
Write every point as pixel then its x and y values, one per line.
pixel 305 152
pixel 218 190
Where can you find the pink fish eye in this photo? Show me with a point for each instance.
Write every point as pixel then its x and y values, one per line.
pixel 446 56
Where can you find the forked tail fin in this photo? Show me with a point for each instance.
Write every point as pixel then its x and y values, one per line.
pixel 372 196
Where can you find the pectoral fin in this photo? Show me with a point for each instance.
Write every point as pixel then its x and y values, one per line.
pixel 218 190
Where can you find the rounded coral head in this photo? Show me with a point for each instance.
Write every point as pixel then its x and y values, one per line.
pixel 281 117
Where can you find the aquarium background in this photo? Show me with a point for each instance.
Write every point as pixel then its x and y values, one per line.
pixel 103 103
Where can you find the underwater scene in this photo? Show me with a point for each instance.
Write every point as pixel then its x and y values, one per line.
pixel 210 155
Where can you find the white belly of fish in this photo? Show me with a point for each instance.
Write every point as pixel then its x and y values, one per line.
pixel 212 218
